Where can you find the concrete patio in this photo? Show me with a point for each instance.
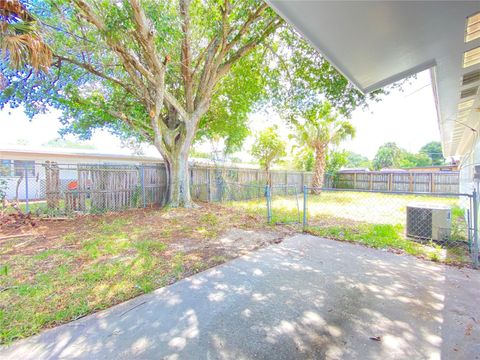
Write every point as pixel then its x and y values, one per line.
pixel 304 298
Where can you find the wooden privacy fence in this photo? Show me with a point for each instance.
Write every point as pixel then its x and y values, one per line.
pixel 214 183
pixel 100 187
pixel 433 182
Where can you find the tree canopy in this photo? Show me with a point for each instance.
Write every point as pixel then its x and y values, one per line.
pixel 169 72
pixel 355 160
pixel 301 78
pixel 434 151
pixel 390 155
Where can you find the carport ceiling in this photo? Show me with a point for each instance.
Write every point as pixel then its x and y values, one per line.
pixel 376 43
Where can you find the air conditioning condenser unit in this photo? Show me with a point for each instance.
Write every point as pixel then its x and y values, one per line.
pixel 429 222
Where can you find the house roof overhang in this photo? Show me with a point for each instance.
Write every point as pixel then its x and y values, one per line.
pixel 374 44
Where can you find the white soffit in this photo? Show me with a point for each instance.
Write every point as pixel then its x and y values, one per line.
pixel 375 43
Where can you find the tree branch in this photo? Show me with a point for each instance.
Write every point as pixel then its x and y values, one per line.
pixel 128 60
pixel 252 18
pixel 176 105
pixel 185 63
pixel 273 25
pixel 96 72
pixel 146 32
pixel 120 115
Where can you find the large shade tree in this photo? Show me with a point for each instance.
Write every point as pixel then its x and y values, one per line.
pixel 319 127
pixel 142 68
pixel 168 72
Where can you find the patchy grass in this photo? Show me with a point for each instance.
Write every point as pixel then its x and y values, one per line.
pixel 386 236
pixel 373 219
pixel 71 268
pixel 380 236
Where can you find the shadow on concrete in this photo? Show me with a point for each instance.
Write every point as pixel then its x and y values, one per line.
pixel 306 298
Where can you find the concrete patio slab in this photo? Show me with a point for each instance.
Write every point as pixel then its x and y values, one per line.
pixel 307 298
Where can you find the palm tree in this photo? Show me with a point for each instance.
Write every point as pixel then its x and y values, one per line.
pixel 320 128
pixel 20 40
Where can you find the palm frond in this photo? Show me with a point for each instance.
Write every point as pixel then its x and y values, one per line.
pixel 20 40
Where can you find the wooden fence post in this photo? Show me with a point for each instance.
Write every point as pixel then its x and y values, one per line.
pixel 432 182
pixel 354 180
pixel 371 182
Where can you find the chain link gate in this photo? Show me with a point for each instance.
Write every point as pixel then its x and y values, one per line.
pixel 279 207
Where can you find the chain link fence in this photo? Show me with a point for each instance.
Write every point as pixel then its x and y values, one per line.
pixel 52 189
pixel 438 226
pixel 55 190
pixel 283 203
pixel 443 223
pixel 244 190
pixel 441 226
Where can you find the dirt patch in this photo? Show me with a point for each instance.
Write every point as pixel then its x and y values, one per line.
pixel 176 226
pixel 235 242
pixel 12 225
pixel 57 270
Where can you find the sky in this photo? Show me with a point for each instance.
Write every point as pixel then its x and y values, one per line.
pixel 407 117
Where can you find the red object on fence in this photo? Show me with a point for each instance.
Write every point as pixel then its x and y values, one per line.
pixel 72 185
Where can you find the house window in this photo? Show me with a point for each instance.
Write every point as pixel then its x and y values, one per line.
pixel 6 168
pixel 20 166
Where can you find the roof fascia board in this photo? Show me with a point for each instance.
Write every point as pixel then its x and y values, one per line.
pixel 434 84
pixel 402 75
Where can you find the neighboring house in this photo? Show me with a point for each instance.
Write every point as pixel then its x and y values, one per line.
pixel 20 163
pixel 353 170
pixel 434 168
pixel 68 156
pixel 375 43
pixel 418 169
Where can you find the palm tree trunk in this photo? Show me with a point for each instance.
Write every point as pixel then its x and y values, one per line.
pixel 319 169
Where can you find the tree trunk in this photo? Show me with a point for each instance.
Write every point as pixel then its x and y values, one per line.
pixel 319 169
pixel 178 193
pixel 268 175
pixel 174 146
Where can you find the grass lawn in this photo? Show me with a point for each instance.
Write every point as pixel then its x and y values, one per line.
pixel 62 270
pixel 373 219
pixel 58 271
